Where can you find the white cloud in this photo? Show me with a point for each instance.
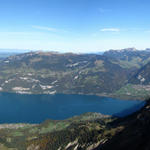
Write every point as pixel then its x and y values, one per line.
pixel 45 28
pixel 110 30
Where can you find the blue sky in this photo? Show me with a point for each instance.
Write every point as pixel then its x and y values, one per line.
pixel 74 25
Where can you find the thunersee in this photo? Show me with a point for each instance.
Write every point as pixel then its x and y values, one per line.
pixel 16 108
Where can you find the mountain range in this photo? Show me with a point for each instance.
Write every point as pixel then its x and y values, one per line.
pixel 115 73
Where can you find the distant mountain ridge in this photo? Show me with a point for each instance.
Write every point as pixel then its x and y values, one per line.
pixel 130 56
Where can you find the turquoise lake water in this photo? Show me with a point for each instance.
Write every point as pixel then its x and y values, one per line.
pixel 20 108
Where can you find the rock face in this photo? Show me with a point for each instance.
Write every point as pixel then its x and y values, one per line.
pixel 33 147
pixel 128 54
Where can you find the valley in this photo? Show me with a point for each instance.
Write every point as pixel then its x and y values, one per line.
pixel 119 74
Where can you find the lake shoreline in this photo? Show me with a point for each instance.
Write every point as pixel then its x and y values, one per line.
pixel 110 95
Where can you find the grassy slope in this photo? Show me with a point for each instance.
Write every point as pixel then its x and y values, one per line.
pixel 21 138
pixel 61 73
pixel 131 91
pixel 86 131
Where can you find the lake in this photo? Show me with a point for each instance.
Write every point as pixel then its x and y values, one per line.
pixel 20 108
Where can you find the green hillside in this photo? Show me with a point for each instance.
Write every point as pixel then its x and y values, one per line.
pixel 49 73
